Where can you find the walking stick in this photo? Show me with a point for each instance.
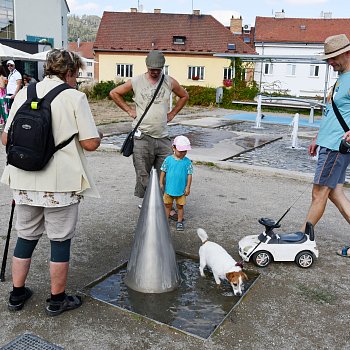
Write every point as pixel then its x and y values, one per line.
pixel 4 258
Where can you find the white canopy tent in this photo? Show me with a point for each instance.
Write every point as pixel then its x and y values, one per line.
pixel 41 56
pixel 9 53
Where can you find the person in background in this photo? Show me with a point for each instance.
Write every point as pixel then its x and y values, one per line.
pixel 151 142
pixel 14 82
pixel 28 79
pixel 3 102
pixel 48 200
pixel 176 178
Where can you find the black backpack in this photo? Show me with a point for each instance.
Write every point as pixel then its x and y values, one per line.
pixel 30 143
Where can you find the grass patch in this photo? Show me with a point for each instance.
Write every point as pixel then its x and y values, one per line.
pixel 209 164
pixel 318 295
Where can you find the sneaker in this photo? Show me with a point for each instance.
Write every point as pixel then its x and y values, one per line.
pixel 70 302
pixel 16 303
pixel 180 226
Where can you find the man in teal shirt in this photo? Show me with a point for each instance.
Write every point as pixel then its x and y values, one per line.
pixel 331 166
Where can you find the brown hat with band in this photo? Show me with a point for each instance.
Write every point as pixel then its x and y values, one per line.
pixel 335 45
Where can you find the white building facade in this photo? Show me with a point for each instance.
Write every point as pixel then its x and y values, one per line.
pixel 293 37
pixel 293 78
pixel 42 21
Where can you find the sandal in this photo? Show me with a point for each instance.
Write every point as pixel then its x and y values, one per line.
pixel 344 252
pixel 173 216
pixel 16 303
pixel 179 226
pixel 70 302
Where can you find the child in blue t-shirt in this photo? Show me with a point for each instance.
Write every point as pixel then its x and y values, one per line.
pixel 176 178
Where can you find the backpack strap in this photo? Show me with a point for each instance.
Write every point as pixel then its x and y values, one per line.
pixel 64 143
pixel 55 91
pixel 31 92
pixel 32 95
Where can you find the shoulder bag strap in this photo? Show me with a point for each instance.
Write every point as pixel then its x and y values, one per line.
pixel 338 115
pixel 149 105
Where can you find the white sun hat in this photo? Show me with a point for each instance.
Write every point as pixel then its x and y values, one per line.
pixel 182 143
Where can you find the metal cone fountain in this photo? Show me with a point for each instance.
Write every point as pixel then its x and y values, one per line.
pixel 152 265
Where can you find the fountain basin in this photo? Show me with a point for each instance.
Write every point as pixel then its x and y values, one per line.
pixel 197 307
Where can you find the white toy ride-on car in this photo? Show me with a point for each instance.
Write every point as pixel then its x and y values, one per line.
pixel 270 246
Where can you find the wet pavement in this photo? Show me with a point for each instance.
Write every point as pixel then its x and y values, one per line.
pixel 222 139
pixel 197 307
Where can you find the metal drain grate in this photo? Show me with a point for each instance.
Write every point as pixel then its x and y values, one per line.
pixel 29 341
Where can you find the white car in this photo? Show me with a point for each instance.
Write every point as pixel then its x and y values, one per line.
pixel 270 246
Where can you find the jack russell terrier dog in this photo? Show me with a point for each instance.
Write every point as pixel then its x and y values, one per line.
pixel 221 263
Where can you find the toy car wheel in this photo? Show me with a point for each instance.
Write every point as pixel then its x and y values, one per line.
pixel 262 258
pixel 304 259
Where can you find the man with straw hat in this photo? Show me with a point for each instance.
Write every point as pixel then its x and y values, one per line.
pixel 332 162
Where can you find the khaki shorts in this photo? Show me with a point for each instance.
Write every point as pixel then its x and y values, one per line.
pixel 59 223
pixel 180 200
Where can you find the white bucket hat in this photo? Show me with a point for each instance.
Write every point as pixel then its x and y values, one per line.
pixel 335 45
pixel 182 143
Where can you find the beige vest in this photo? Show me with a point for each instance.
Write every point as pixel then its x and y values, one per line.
pixel 154 123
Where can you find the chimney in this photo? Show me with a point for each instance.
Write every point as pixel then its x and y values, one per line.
pixel 197 12
pixel 236 25
pixel 280 14
pixel 133 9
pixel 157 10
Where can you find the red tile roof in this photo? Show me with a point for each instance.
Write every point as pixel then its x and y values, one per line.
pixel 136 31
pixel 85 48
pixel 299 30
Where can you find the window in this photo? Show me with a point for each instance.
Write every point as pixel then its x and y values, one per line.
pixel 179 40
pixel 246 40
pixel 195 73
pixel 231 46
pixel 89 74
pixel 89 64
pixel 291 68
pixel 228 73
pixel 7 29
pixel 314 70
pixel 268 68
pixel 80 74
pixel 124 70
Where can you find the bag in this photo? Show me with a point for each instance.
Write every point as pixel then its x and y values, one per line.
pixel 344 147
pixel 127 148
pixel 30 144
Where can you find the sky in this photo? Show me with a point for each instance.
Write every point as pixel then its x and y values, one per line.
pixel 222 10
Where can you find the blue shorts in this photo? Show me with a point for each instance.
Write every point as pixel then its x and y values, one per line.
pixel 331 168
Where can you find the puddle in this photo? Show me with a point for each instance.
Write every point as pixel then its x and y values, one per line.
pixel 197 307
pixel 199 137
